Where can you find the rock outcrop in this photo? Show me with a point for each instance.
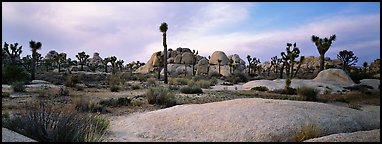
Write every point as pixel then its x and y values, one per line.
pixel 219 55
pixel 360 136
pixel 334 76
pixel 250 119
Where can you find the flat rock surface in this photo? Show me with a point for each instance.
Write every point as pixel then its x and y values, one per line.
pixel 250 119
pixel 278 84
pixel 360 136
pixel 11 136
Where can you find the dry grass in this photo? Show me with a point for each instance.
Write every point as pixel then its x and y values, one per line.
pixel 307 131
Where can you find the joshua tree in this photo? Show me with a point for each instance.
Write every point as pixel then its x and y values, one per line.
pixel 275 63
pixel 252 63
pixel 230 64
pixel 105 61
pixel 26 61
pixel 15 51
pixel 119 63
pixel 59 59
pixel 347 58
pixel 130 67
pixel 288 62
pixel 82 57
pixel 322 46
pixel 34 46
pixel 365 65
pixel 163 28
pixel 302 58
pixel 219 61
pixel 113 61
pixel 195 54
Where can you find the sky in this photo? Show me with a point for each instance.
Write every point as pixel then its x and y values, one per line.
pixel 130 31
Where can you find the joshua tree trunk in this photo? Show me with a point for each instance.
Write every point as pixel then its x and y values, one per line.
pixel 106 68
pixel 322 62
pixel 158 73
pixel 298 68
pixel 165 58
pixel 249 69
pixel 33 69
pixel 282 71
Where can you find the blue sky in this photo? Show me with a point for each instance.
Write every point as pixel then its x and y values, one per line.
pixel 130 31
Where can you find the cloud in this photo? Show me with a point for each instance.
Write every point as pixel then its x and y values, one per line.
pixel 130 31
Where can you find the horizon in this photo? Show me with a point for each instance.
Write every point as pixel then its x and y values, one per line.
pixel 130 31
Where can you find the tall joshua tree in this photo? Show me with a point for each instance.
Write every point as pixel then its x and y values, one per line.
pixel 322 46
pixel 288 61
pixel 275 62
pixel 120 64
pixel 160 58
pixel 59 59
pixel 82 57
pixel 347 58
pixel 219 61
pixel 34 46
pixel 163 28
pixel 252 63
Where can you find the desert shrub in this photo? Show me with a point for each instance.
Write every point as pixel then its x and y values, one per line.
pixel 327 91
pixel 140 77
pixel 214 81
pixel 191 90
pixel 160 96
pixel 115 79
pixel 64 91
pixel 135 86
pixel 178 81
pixel 114 88
pixel 307 93
pixel 151 82
pixel 307 131
pixel 173 87
pixel 71 80
pixel 13 73
pixel 5 94
pixel 237 77
pixel 260 88
pixel 18 86
pixel 355 106
pixel 5 114
pixel 227 83
pixel 203 83
pixel 214 74
pixel 288 91
pixel 45 123
pixel 356 76
pixel 84 105
pixel 136 103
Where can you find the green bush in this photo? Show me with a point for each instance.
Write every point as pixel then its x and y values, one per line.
pixel 307 93
pixel 214 74
pixel 5 94
pixel 18 86
pixel 260 88
pixel 178 81
pixel 114 88
pixel 135 86
pixel 203 83
pixel 151 82
pixel 237 77
pixel 191 90
pixel 71 80
pixel 45 123
pixel 84 105
pixel 13 73
pixel 160 96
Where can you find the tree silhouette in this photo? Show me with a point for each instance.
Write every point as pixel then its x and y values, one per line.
pixel 288 61
pixel 34 46
pixel 275 62
pixel 365 65
pixel 302 58
pixel 105 61
pixel 163 28
pixel 60 59
pixel 219 61
pixel 14 53
pixel 252 63
pixel 323 46
pixel 27 62
pixel 347 58
pixel 82 57
pixel 119 63
pixel 113 61
pixel 230 64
